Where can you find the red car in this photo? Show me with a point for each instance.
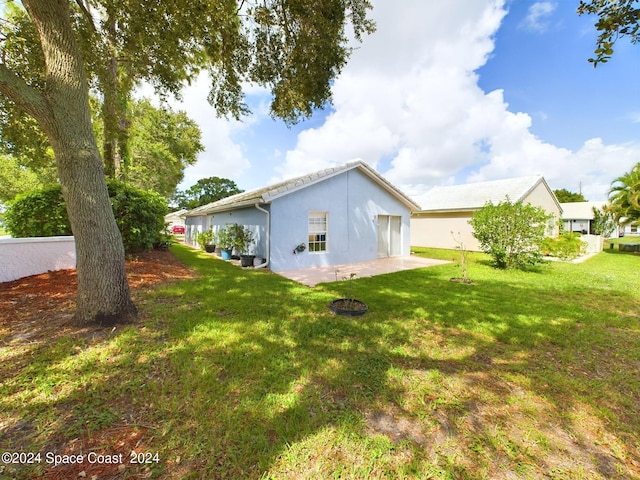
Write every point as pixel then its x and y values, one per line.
pixel 178 229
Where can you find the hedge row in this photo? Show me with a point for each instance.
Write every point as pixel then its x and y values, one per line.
pixel 139 215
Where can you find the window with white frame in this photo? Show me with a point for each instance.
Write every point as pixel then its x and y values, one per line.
pixel 317 231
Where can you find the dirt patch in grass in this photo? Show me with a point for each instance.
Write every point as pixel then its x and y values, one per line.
pixel 396 426
pixel 39 308
pixel 113 453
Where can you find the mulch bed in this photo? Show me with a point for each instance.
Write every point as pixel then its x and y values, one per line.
pixel 40 307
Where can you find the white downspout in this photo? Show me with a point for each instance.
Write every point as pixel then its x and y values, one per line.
pixel 268 239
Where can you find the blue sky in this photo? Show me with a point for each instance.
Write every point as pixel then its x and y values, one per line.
pixel 449 92
pixel 543 69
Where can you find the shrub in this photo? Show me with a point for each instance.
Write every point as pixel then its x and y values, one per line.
pixel 139 215
pixel 566 247
pixel 511 233
pixel 39 213
pixel 604 222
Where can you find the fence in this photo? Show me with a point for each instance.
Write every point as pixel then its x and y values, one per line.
pixel 21 257
pixel 595 243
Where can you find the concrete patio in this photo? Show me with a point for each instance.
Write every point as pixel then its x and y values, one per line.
pixel 312 276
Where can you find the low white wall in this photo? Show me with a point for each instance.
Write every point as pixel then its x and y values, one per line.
pixel 21 257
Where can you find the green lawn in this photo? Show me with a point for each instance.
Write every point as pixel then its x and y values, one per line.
pixel 625 239
pixel 244 374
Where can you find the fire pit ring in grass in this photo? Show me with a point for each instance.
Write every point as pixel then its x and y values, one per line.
pixel 348 307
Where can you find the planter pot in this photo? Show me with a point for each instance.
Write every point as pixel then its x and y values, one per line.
pixel 226 254
pixel 348 307
pixel 246 260
pixel 258 261
pixel 209 248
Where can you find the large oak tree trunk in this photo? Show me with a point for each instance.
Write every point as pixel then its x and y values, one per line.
pixel 103 291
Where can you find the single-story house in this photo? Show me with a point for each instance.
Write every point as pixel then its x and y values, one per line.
pixel 578 216
pixel 443 221
pixel 344 214
pixel 631 229
pixel 175 218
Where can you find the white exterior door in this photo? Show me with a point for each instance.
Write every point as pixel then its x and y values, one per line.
pixel 389 235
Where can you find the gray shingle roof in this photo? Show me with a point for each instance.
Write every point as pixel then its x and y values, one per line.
pixel 271 192
pixel 473 196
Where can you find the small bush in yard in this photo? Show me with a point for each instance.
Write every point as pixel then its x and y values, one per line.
pixel 512 233
pixel 566 247
pixel 39 213
pixel 139 215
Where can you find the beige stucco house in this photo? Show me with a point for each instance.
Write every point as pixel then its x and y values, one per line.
pixel 446 211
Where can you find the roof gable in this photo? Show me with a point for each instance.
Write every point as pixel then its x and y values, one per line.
pixel 281 189
pixel 473 196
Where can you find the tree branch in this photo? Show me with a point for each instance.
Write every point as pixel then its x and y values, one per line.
pixel 240 7
pixel 23 95
pixel 85 11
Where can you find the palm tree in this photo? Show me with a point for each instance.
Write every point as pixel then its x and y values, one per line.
pixel 625 196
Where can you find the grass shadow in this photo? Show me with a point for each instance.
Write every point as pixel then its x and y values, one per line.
pixel 245 374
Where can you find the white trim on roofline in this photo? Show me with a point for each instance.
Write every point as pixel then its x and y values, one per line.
pixel 267 194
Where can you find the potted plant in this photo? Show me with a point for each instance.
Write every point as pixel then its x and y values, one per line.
pixel 205 240
pixel 238 237
pixel 242 240
pixel 225 240
pixel 348 306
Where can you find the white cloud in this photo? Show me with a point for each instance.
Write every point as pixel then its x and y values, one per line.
pixel 411 95
pixel 537 19
pixel 409 104
pixel 406 91
pixel 222 157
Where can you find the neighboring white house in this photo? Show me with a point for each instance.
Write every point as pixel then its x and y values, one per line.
pixel 175 218
pixel 449 209
pixel 631 229
pixel 578 216
pixel 341 215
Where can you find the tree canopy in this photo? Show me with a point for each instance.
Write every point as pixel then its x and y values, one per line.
pixel 161 143
pixel 206 190
pixel 625 197
pixel 565 196
pixel 616 19
pixel 16 179
pixel 294 48
pixel 168 43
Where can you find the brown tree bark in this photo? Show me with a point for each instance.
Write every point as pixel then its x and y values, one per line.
pixel 108 78
pixel 63 112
